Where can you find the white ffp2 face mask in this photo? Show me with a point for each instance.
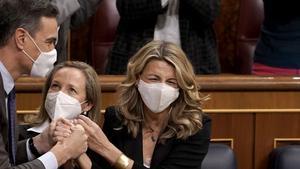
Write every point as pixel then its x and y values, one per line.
pixel 61 105
pixel 157 96
pixel 44 63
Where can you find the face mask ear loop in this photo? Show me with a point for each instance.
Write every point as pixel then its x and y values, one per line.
pixel 169 112
pixel 83 102
pixel 28 56
pixel 34 42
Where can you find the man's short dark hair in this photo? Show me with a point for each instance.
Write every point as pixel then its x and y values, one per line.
pixel 26 14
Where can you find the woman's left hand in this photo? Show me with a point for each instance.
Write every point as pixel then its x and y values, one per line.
pixel 97 140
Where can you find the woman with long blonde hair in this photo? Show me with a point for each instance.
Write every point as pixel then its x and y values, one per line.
pixel 158 122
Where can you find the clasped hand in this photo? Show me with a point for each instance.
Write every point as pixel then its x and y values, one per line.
pixel 63 129
pixel 70 135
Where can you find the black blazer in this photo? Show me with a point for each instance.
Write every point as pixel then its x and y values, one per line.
pixel 136 27
pixel 174 154
pixel 21 155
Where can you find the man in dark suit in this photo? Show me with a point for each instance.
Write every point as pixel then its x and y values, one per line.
pixel 28 31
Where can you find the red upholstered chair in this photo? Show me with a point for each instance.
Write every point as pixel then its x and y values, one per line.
pixel 102 32
pixel 248 30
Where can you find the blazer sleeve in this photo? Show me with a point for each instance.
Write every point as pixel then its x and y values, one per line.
pixel 4 159
pixel 203 11
pixel 87 9
pixel 111 121
pixel 65 8
pixel 21 147
pixel 131 10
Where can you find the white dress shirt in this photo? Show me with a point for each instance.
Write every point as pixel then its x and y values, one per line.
pixel 167 26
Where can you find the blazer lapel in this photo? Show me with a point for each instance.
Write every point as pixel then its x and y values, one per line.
pixel 3 116
pixel 161 151
pixel 134 148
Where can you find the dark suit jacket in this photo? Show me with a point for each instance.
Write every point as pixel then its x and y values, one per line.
pixel 21 146
pixel 24 134
pixel 136 28
pixel 174 154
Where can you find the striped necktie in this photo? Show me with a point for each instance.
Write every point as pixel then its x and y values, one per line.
pixel 11 108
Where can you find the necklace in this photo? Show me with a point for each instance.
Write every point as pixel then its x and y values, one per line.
pixel 151 132
pixel 153 139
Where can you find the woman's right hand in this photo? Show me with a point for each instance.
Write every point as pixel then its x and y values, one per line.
pixel 62 129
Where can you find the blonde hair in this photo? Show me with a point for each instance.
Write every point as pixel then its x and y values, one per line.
pixel 93 90
pixel 186 115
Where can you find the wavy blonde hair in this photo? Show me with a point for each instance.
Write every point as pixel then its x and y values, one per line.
pixel 186 114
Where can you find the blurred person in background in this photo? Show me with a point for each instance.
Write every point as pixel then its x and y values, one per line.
pixel 72 14
pixel 187 23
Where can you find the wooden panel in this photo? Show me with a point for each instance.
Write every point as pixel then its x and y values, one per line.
pixel 270 126
pixel 279 142
pixel 253 100
pixel 28 101
pixel 239 128
pixel 227 141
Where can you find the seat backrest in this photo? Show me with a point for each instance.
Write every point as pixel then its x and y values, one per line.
pixel 219 156
pixel 103 28
pixel 248 31
pixel 286 157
